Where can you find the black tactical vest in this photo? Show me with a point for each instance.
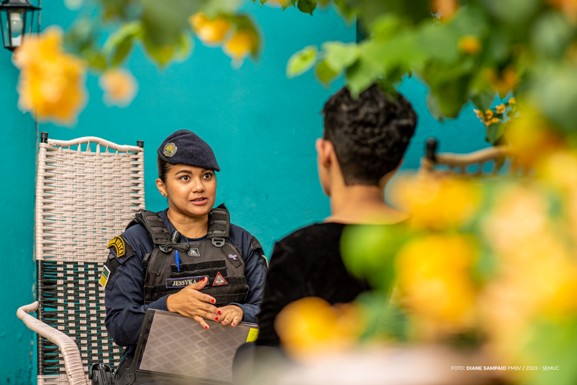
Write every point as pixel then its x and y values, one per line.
pixel 214 257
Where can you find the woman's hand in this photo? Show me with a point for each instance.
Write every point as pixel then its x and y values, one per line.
pixel 190 302
pixel 230 314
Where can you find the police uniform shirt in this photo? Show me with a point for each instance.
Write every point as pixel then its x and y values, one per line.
pixel 125 306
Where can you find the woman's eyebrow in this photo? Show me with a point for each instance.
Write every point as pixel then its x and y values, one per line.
pixel 184 172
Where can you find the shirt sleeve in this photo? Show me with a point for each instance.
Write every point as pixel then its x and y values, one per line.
pixel 285 282
pixel 255 267
pixel 124 298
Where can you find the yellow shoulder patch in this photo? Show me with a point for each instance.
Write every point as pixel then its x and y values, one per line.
pixel 119 246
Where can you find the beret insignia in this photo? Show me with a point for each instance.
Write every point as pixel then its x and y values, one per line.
pixel 169 150
pixel 119 246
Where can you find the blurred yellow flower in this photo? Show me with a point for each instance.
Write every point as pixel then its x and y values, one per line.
pixel 559 170
pixel 51 82
pixel 531 137
pixel 569 7
pixel 210 31
pixel 312 327
pixel 444 8
pixel 434 281
pixel 436 203
pixel 240 44
pixel 500 108
pixel 470 45
pixel 119 87
pixel 518 218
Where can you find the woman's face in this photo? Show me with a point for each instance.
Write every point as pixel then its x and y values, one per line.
pixel 191 191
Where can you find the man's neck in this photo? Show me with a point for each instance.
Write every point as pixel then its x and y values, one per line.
pixel 362 204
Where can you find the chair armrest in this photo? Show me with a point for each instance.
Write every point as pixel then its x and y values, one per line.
pixel 68 348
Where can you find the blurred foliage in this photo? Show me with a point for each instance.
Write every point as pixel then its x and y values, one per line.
pixel 464 50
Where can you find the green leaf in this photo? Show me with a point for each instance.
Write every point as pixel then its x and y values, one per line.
pixel 307 6
pixel 325 73
pixel 348 12
pixel 165 23
pixel 301 61
pixel 120 43
pixel 495 133
pixel 215 7
pixel 361 75
pixel 161 54
pixel 183 48
pixel 339 56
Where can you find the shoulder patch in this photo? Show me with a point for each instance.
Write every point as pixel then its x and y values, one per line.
pixel 119 246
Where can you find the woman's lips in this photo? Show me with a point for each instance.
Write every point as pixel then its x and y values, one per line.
pixel 199 201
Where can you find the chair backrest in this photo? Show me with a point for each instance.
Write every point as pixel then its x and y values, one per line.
pixel 87 190
pixel 486 162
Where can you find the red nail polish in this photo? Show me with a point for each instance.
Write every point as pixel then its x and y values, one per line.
pixel 213 300
pixel 218 312
pixel 216 318
pixel 206 327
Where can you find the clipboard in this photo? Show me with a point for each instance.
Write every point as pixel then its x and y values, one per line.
pixel 176 346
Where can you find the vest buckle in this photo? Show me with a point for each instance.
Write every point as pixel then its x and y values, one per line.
pixel 218 242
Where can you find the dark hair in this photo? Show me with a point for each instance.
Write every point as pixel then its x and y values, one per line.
pixel 370 133
pixel 163 168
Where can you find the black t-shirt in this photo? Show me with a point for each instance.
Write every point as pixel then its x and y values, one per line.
pixel 306 263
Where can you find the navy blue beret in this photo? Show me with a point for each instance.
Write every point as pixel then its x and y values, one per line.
pixel 185 147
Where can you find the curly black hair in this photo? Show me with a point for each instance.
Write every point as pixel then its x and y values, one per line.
pixel 370 133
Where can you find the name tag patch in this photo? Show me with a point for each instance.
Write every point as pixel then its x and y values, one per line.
pixel 179 283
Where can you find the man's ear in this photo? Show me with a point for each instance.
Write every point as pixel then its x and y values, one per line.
pixel 324 152
pixel 161 188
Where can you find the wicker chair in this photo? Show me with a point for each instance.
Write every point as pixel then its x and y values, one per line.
pixel 87 190
pixel 486 162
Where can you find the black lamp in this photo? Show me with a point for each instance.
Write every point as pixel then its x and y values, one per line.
pixel 18 19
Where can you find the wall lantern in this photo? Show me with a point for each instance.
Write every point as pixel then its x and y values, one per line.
pixel 18 19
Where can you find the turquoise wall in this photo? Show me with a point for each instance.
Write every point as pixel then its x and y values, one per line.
pixel 262 127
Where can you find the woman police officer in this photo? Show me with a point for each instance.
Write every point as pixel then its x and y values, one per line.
pixel 186 259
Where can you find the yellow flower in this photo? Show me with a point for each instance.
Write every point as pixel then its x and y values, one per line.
pixel 436 203
pixel 119 87
pixel 531 137
pixel 240 44
pixel 51 82
pixel 435 283
pixel 209 31
pixel 512 101
pixel 444 8
pixel 311 326
pixel 469 44
pixel 500 108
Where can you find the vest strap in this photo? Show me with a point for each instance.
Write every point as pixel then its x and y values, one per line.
pixel 218 225
pixel 156 229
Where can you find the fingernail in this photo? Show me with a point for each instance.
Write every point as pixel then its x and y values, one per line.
pixel 218 312
pixel 216 318
pixel 206 327
pixel 213 300
pixel 233 324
